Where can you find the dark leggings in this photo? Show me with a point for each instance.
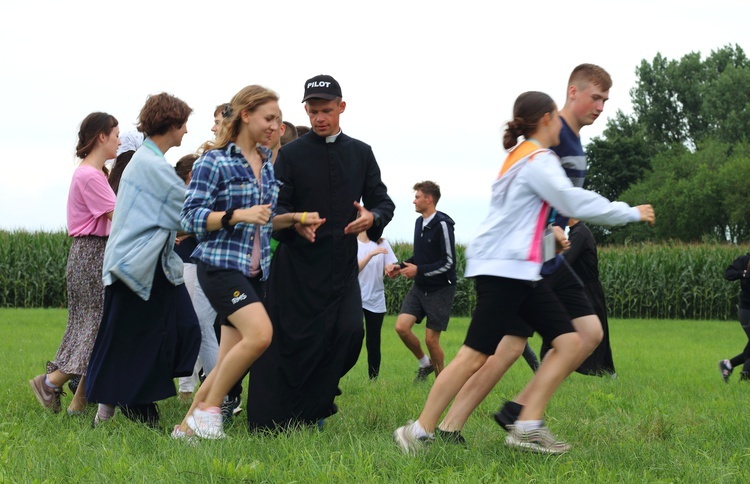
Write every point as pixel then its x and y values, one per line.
pixel 373 325
pixel 744 357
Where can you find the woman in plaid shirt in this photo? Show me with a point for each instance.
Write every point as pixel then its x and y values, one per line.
pixel 230 207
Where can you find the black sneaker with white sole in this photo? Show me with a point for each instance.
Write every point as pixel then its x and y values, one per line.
pixel 423 372
pixel 508 414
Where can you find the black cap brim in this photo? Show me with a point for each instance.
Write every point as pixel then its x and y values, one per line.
pixel 320 95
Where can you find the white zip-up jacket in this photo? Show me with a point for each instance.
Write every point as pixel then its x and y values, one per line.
pixel 509 241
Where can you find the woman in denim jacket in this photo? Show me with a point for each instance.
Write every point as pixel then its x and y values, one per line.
pixel 149 332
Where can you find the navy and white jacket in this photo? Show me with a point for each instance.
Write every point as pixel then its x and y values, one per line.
pixel 434 253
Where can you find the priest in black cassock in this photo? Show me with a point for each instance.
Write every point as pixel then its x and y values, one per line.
pixel 313 297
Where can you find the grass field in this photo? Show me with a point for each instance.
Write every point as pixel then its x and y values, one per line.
pixel 668 417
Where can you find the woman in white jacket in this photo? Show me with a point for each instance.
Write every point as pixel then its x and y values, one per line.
pixel 505 259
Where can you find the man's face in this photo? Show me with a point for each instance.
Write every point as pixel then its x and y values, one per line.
pixel 275 140
pixel 421 202
pixel 324 115
pixel 588 103
pixel 217 122
pixel 178 133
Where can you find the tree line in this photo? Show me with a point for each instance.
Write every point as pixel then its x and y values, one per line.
pixel 685 150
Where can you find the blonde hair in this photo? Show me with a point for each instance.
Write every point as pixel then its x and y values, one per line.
pixel 248 99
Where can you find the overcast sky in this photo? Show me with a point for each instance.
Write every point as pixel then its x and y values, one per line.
pixel 428 84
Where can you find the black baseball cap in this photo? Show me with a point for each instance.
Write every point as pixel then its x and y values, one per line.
pixel 322 87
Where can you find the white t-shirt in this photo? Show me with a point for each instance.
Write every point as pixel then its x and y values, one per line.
pixel 371 277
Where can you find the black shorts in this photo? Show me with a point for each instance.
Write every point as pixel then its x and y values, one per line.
pixel 570 290
pixel 505 306
pixel 228 289
pixel 435 304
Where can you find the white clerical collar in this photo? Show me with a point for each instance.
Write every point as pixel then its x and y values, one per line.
pixel 332 138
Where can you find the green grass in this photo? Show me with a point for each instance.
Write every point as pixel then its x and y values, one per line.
pixel 668 417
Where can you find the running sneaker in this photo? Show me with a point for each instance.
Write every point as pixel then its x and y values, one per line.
pixel 423 372
pixel 207 424
pixel 508 414
pixel 230 408
pixel 726 370
pixel 406 438
pixel 185 435
pixel 47 397
pixel 451 437
pixel 538 440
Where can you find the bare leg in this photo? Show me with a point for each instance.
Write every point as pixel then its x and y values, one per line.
pixel 239 348
pixel 229 338
pixel 78 404
pixel 58 378
pixel 555 367
pixel 476 389
pixel 590 331
pixel 404 325
pixel 437 356
pixel 448 384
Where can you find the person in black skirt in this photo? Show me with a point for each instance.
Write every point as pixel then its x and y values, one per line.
pixel 582 258
pixel 149 333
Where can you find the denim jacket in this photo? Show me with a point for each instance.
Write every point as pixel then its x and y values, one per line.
pixel 145 223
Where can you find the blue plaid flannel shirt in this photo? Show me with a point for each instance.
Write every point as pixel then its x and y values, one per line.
pixel 222 179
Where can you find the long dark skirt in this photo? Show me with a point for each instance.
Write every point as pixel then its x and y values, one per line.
pixel 143 345
pixel 600 362
pixel 83 275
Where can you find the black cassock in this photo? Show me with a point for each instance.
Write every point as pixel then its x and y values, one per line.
pixel 313 297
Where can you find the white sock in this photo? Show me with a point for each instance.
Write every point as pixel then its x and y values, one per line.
pixel 424 361
pixel 418 430
pixel 49 383
pixel 527 425
pixel 728 363
pixel 105 411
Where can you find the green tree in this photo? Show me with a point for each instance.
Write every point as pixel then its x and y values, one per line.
pixel 687 101
pixel 698 196
pixel 688 115
pixel 619 159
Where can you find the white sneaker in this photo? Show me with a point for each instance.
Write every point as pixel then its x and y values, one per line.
pixel 187 436
pixel 538 440
pixel 206 425
pixel 406 438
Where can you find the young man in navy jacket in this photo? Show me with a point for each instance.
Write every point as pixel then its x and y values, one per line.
pixel 433 268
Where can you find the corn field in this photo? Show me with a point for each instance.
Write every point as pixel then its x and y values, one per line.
pixel 670 281
pixel 32 269
pixel 666 281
